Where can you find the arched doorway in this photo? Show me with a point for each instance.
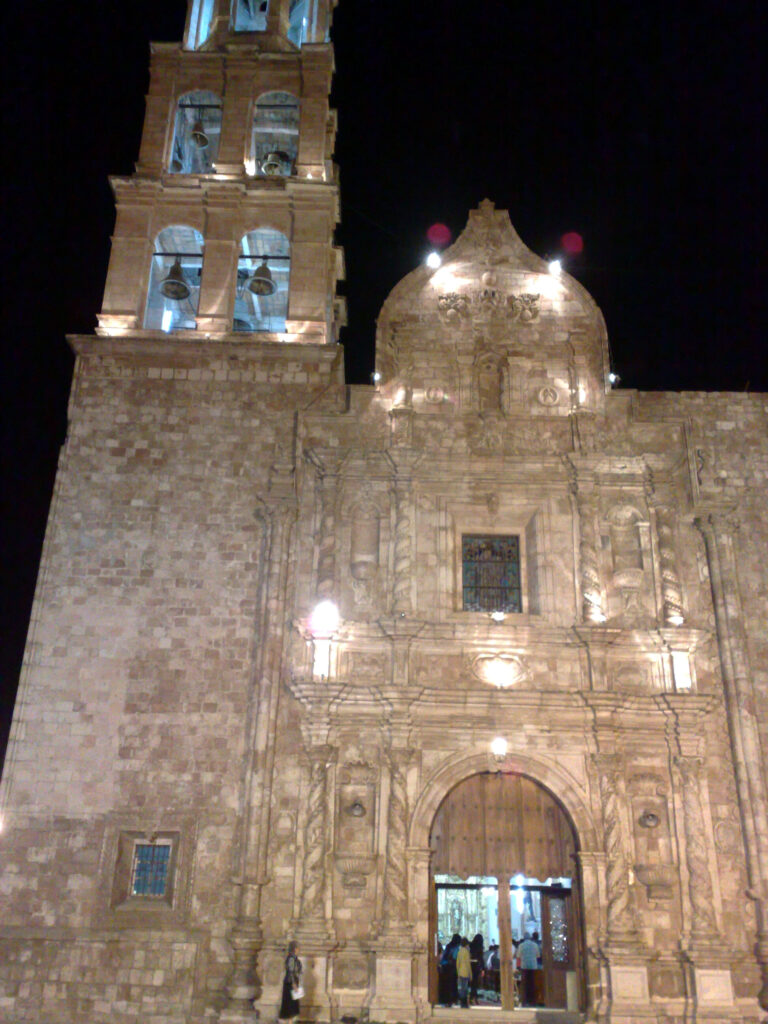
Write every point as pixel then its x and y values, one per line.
pixel 503 865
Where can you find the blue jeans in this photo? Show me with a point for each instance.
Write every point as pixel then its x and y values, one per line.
pixel 463 988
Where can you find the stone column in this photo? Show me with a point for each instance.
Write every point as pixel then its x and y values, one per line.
pixel 395 872
pixel 326 558
pixel 717 529
pixel 395 948
pixel 671 589
pixel 591 590
pixel 703 923
pixel 402 463
pixel 619 917
pixel 313 877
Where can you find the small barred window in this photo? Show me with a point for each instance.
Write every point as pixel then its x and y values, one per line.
pixel 490 573
pixel 151 862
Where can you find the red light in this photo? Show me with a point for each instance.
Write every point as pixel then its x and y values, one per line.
pixel 439 234
pixel 572 242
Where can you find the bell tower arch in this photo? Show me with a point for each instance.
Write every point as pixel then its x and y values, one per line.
pixel 238 141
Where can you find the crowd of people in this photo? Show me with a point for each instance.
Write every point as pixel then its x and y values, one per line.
pixel 467 968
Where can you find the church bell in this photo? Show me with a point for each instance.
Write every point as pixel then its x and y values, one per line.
pixel 199 138
pixel 175 286
pixel 262 283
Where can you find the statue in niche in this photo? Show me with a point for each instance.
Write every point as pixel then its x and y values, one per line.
pixel 489 384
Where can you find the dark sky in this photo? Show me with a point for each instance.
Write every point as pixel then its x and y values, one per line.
pixel 642 127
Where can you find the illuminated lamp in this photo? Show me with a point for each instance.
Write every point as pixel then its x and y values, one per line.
pixel 555 267
pixel 262 282
pixel 434 259
pixel 175 286
pixel 324 620
pixel 499 747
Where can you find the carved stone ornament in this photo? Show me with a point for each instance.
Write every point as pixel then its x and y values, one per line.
pixel 524 307
pixel 658 879
pixel 453 307
pixel 434 395
pixel 354 871
pixel 500 670
pixel 548 395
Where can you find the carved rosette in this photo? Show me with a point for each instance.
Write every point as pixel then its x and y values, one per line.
pixel 697 853
pixel 313 880
pixel 671 589
pixel 591 591
pixel 401 596
pixel 395 879
pixel 609 768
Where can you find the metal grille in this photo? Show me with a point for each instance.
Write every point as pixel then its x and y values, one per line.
pixel 490 573
pixel 151 862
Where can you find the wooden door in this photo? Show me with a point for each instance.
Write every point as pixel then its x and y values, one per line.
pixel 498 825
pixel 557 949
pixel 433 981
pixel 506 966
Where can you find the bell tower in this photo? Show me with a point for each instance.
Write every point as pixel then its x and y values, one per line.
pixel 226 227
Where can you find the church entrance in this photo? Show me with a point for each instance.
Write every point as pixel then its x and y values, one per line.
pixel 504 874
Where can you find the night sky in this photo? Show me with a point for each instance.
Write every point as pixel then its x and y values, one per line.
pixel 642 127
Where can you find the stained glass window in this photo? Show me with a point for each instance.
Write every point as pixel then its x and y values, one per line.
pixel 490 573
pixel 151 862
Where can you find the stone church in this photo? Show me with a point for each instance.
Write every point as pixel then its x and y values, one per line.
pixel 479 648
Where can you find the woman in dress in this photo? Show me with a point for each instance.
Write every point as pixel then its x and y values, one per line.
pixel 289 1004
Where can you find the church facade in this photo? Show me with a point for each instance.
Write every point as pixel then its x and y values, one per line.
pixel 314 661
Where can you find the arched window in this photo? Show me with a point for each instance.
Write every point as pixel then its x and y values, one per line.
pixel 263 274
pixel 275 139
pixel 298 28
pixel 174 279
pixel 199 23
pixel 249 15
pixel 196 134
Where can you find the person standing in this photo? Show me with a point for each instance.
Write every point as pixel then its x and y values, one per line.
pixel 292 990
pixel 528 954
pixel 463 972
pixel 476 957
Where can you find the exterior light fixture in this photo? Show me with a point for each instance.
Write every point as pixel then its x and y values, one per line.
pixel 324 620
pixel 323 623
pixel 375 376
pixel 498 616
pixel 499 747
pixel 555 268
pixel 675 620
pixel 613 378
pixel 434 259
